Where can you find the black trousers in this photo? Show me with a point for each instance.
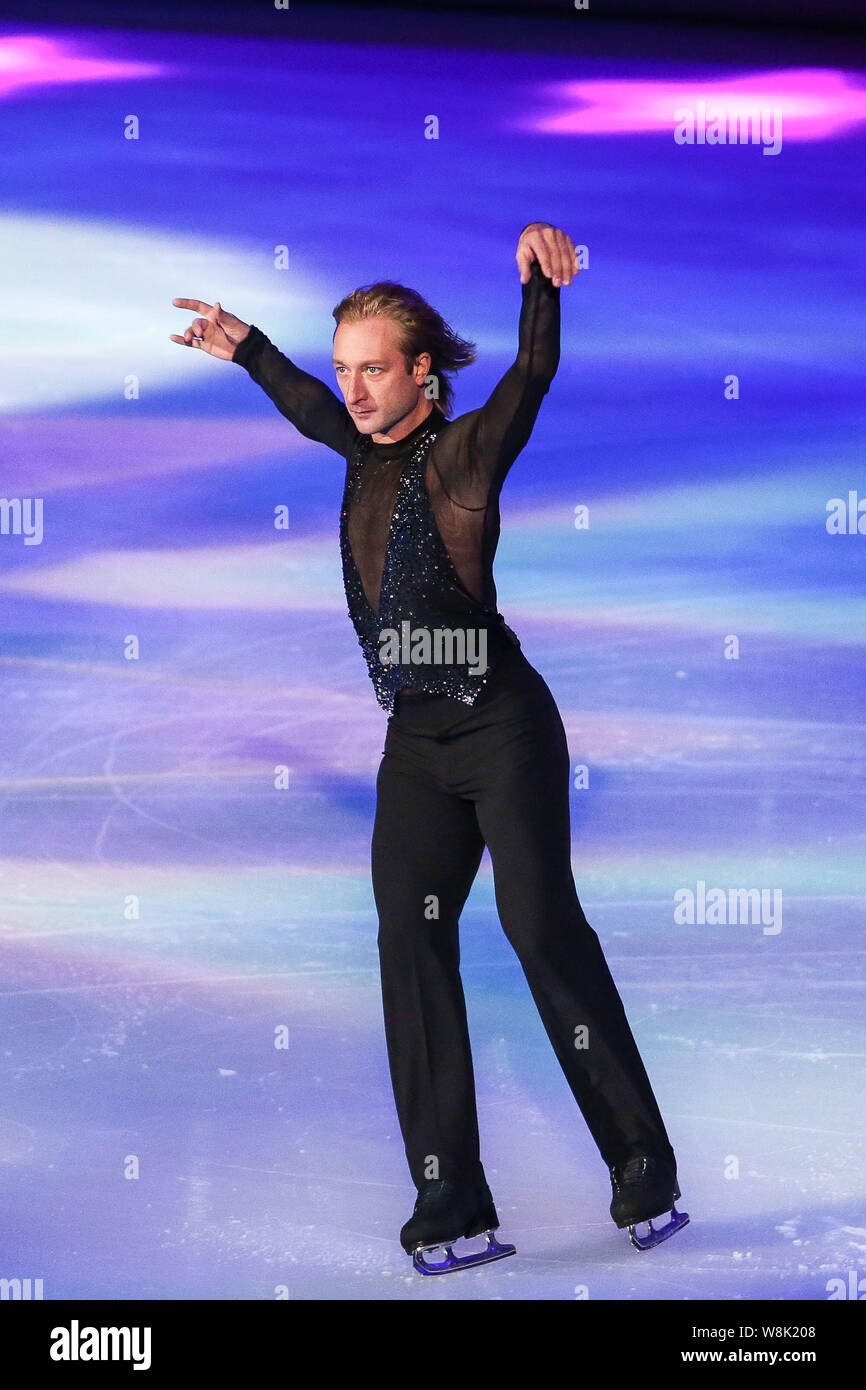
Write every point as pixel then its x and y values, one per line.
pixel 453 778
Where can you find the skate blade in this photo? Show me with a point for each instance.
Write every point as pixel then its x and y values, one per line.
pixel 656 1235
pixel 494 1250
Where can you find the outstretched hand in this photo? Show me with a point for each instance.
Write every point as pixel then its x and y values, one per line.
pixel 218 332
pixel 552 248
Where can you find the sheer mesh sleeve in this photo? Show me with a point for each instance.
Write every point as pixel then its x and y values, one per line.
pixel 311 406
pixel 479 448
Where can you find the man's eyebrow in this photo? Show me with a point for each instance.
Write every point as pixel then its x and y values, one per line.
pixel 373 362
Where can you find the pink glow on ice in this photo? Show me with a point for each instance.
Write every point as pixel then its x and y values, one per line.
pixel 31 61
pixel 816 103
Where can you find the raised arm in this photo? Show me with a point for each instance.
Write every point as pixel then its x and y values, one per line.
pixel 486 442
pixel 312 407
pixel 314 410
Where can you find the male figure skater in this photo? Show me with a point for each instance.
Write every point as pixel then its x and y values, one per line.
pixel 475 750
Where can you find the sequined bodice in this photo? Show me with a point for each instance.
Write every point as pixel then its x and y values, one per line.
pixel 419 592
pixel 409 528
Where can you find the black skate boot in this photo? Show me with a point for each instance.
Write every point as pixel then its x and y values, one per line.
pixel 644 1187
pixel 445 1212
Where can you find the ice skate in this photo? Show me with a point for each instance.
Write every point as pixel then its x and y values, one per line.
pixel 645 1187
pixel 444 1213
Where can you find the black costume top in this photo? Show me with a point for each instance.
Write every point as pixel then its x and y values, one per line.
pixel 420 517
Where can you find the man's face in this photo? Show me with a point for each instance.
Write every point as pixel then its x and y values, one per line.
pixel 372 375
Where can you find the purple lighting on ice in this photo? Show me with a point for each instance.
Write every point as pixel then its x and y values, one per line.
pixel 31 61
pixel 816 103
